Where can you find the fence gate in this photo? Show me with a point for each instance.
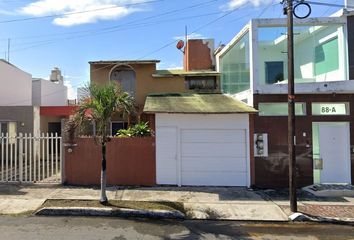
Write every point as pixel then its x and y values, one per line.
pixel 27 158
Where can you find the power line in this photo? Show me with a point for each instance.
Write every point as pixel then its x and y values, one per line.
pixel 120 25
pixel 135 26
pixel 127 26
pixel 157 50
pixel 78 12
pixel 329 4
pixel 114 28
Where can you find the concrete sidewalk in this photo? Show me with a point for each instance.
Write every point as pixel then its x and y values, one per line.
pixel 333 206
pixel 227 203
pixel 200 203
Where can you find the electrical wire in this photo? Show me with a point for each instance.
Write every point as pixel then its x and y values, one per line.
pixel 79 12
pixel 157 50
pixel 142 25
pixel 120 26
pixel 329 4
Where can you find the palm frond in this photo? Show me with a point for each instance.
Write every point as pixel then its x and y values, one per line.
pixel 103 102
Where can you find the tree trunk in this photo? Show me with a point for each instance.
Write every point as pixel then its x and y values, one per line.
pixel 103 198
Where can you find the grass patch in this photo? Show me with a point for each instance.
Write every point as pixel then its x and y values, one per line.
pixel 139 205
pixel 21 214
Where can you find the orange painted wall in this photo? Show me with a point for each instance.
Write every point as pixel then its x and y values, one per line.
pixel 145 82
pixel 130 161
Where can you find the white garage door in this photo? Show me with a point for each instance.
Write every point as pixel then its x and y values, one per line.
pixel 213 157
pixel 193 149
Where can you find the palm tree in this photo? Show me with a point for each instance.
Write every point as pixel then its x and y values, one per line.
pixel 103 103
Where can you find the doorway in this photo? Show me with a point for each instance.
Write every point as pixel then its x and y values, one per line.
pixel 331 152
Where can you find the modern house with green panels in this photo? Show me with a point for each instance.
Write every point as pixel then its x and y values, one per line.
pixel 253 69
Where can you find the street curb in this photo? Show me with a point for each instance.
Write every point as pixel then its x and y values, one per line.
pixel 109 212
pixel 300 217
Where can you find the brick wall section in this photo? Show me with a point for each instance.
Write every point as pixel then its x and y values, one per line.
pixel 272 171
pixel 130 161
pixel 251 137
pixel 197 55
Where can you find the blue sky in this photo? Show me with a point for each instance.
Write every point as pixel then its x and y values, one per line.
pixel 119 29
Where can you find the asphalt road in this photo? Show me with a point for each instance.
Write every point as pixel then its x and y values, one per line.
pixel 80 228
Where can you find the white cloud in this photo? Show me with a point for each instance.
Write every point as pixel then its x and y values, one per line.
pixel 94 10
pixel 71 90
pixel 233 4
pixel 190 36
pixel 170 66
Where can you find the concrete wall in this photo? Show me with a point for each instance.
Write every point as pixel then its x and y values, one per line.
pixel 145 83
pixel 15 85
pixel 268 54
pixel 47 93
pixel 130 161
pixel 22 115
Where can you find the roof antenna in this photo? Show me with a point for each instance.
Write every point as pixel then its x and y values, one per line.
pixel 8 49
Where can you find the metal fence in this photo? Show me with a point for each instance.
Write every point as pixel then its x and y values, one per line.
pixel 27 158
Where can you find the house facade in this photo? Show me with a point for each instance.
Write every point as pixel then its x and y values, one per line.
pixel 141 78
pixel 52 98
pixel 16 109
pixel 253 69
pixel 31 105
pixel 202 136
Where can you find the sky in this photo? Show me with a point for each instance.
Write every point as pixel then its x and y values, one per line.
pixel 69 33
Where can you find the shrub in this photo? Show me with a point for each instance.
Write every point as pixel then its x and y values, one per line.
pixel 138 130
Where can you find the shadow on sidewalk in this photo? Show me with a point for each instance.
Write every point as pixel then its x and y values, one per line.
pixel 21 189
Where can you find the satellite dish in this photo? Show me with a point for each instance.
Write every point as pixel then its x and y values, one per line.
pixel 180 44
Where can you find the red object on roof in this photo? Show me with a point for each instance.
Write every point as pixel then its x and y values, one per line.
pixel 63 111
pixel 180 44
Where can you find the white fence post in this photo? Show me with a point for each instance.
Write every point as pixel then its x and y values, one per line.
pixel 28 158
pixel 2 157
pixel 20 156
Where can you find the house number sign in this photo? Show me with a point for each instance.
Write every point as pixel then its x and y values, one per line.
pixel 329 108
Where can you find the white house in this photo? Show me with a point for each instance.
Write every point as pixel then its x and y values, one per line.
pixel 16 110
pixel 16 85
pixel 201 139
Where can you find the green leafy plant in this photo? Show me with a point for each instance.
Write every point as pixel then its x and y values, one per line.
pixel 104 101
pixel 141 129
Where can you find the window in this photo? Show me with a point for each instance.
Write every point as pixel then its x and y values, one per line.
pixel 200 83
pixel 3 128
pixel 9 128
pixel 235 67
pixel 125 76
pixel 330 108
pixel 318 49
pixel 115 126
pixel 280 109
pixel 274 72
pixel 326 57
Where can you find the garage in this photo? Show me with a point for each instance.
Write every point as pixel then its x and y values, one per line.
pixel 201 139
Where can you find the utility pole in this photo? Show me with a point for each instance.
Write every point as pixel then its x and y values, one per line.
pixel 291 109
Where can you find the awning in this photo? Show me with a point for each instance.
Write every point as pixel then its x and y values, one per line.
pixel 195 103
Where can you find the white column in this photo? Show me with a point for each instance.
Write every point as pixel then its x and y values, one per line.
pixel 349 4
